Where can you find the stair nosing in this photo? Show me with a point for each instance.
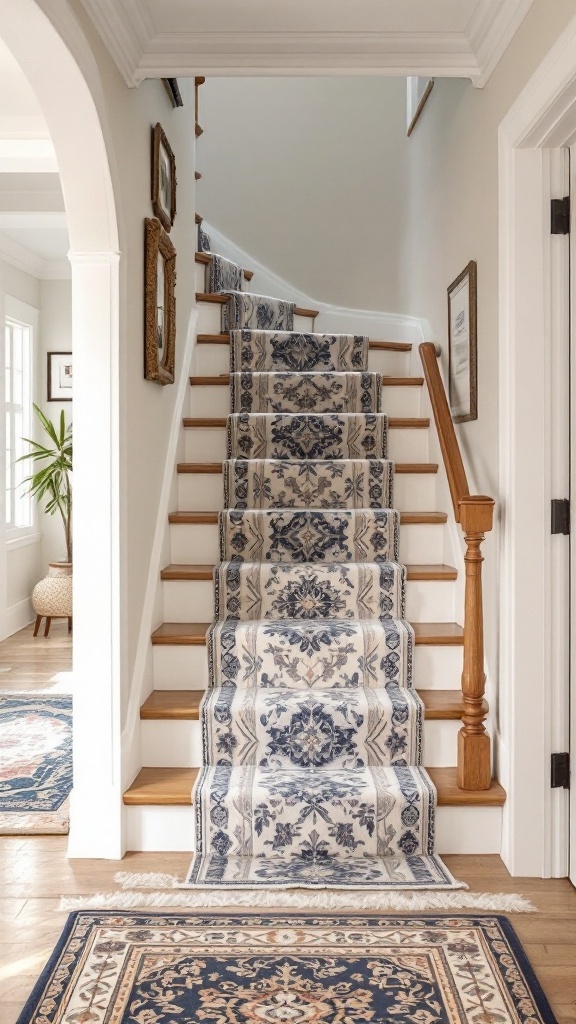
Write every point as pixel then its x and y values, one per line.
pixel 404 468
pixel 182 573
pixel 224 339
pixel 223 380
pixel 193 634
pixel 220 422
pixel 182 518
pixel 180 795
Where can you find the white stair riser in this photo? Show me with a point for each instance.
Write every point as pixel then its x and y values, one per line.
pixel 173 744
pixel 171 829
pixel 214 400
pixel 302 323
pixel 210 360
pixel 201 277
pixel 195 544
pixel 193 601
pixel 204 492
pixel 208 444
pixel 186 668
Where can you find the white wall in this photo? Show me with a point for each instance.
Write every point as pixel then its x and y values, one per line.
pixel 310 175
pixel 55 336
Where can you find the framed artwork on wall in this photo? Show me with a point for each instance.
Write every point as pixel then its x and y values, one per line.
pixel 462 345
pixel 417 92
pixel 163 178
pixel 159 304
pixel 60 377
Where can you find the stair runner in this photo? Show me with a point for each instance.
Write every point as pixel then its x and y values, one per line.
pixel 311 727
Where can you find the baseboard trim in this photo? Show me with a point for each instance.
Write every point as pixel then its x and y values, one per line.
pixel 18 616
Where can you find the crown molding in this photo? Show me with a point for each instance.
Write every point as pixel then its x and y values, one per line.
pixel 22 258
pixel 491 30
pixel 140 51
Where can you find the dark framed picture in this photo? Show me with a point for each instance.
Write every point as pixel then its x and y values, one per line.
pixel 60 376
pixel 163 179
pixel 160 304
pixel 417 92
pixel 462 345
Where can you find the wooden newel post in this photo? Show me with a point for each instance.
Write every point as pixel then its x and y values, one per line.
pixel 474 764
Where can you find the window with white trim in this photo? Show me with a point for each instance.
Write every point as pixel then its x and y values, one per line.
pixel 18 348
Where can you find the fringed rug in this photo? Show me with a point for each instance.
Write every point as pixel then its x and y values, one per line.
pixel 35 764
pixel 115 967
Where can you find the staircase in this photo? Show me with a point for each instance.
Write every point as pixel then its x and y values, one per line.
pixel 159 801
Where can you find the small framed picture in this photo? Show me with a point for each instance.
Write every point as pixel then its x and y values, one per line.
pixel 160 304
pixel 462 346
pixel 163 179
pixel 417 92
pixel 60 376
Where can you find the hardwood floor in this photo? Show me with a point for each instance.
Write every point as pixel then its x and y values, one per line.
pixel 32 663
pixel 34 872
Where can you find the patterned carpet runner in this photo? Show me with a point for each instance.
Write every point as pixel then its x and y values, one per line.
pixel 312 731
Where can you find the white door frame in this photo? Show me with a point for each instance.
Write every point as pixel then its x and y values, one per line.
pixel 56 58
pixel 534 466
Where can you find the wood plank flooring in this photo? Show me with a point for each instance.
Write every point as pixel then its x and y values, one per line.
pixel 32 663
pixel 34 874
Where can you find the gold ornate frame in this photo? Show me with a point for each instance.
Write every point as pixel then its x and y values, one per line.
pixel 157 243
pixel 159 139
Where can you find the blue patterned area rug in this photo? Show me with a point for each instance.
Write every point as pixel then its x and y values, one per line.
pixel 35 764
pixel 115 968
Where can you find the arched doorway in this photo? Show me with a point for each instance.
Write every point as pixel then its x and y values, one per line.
pixel 59 65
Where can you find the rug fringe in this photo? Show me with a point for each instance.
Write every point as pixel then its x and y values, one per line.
pixel 146 880
pixel 121 900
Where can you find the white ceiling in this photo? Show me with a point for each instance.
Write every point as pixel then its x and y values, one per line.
pixel 165 38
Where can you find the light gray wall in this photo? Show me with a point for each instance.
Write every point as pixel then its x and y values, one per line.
pixel 310 175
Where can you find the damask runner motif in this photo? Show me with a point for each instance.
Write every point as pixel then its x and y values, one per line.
pixel 302 353
pixel 309 535
pixel 308 483
pixel 295 391
pixel 349 435
pixel 312 732
pixel 223 275
pixel 261 312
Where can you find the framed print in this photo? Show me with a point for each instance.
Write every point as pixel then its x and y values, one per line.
pixel 60 376
pixel 160 304
pixel 417 92
pixel 163 179
pixel 462 368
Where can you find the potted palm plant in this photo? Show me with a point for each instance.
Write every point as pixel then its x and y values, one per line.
pixel 52 482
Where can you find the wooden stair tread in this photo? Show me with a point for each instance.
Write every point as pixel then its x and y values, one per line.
pixel 206 257
pixel 223 299
pixel 173 705
pixel 173 786
pixel 394 422
pixel 440 634
pixel 224 378
pixel 197 175
pixel 198 218
pixel 199 131
pixel 406 518
pixel 379 346
pixel 184 705
pixel 216 467
pixel 181 572
pixel 189 634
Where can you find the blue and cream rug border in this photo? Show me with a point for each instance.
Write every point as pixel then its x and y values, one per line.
pixel 110 967
pixel 36 765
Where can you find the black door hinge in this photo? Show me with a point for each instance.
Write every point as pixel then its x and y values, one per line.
pixel 560 216
pixel 560 771
pixel 560 519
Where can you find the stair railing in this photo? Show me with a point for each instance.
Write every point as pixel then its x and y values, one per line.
pixel 474 512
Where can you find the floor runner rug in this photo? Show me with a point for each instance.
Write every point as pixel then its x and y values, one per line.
pixel 114 967
pixel 35 764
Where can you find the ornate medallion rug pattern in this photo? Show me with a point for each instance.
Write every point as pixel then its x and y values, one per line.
pixel 35 764
pixel 114 967
pixel 311 727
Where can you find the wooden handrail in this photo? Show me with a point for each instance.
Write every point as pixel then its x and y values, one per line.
pixel 475 514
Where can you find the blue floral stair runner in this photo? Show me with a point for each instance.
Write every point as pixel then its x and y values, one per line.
pixel 311 727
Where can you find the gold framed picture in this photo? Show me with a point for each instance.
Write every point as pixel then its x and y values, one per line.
pixel 160 304
pixel 163 178
pixel 462 345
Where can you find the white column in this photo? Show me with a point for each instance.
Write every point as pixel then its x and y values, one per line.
pixel 96 803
